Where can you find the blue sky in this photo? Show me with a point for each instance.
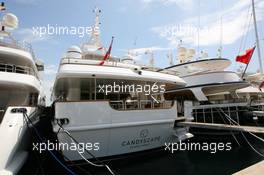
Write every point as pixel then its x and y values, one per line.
pixel 141 24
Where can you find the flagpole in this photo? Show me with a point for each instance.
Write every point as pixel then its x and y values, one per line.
pixel 244 71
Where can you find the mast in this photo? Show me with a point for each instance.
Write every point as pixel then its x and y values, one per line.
pixel 256 34
pixel 94 42
pixel 151 61
pixel 95 36
pixel 220 49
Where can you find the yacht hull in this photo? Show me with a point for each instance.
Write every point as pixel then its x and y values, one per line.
pixel 109 132
pixel 15 139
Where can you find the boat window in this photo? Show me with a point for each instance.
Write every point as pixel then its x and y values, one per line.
pixel 82 89
pixel 13 97
pixel 7 67
pixel 121 94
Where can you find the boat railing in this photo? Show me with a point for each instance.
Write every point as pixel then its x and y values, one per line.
pixel 16 69
pixel 12 43
pixel 235 100
pixel 140 104
pixel 257 102
pixel 213 113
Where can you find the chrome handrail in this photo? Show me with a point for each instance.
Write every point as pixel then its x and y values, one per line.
pixel 16 69
pixel 140 104
pixel 12 43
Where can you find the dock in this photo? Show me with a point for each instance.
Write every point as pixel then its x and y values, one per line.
pixel 216 126
pixel 256 169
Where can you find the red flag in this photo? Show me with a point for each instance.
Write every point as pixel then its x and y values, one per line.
pixel 107 55
pixel 245 58
pixel 261 85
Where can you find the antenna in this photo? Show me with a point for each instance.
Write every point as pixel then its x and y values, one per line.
pixel 9 21
pixel 257 38
pixel 198 31
pixel 221 31
pixel 170 58
pixel 94 42
pixel 151 61
pixel 95 35
pixel 2 6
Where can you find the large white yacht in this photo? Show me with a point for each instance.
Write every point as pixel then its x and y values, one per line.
pixel 119 122
pixel 20 87
pixel 211 88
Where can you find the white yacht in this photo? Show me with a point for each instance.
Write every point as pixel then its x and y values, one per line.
pixel 20 87
pixel 210 88
pixel 205 77
pixel 115 123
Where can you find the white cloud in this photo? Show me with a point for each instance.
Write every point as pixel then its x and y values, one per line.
pixel 27 35
pixel 50 70
pixel 146 50
pixel 234 23
pixel 183 4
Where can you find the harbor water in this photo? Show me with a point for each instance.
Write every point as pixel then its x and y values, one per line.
pixel 159 161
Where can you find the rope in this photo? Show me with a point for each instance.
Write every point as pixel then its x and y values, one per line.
pixel 27 119
pixel 262 155
pixel 248 27
pixel 230 119
pixel 233 135
pixel 247 21
pixel 240 125
pixel 89 162
pixel 38 159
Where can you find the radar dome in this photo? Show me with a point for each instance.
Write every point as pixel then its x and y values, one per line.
pixel 10 20
pixel 181 54
pixel 74 52
pixel 190 53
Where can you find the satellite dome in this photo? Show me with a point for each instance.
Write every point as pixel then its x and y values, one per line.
pixel 10 20
pixel 74 49
pixel 74 52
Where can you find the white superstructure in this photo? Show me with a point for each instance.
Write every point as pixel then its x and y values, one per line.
pixel 210 87
pixel 206 77
pixel 20 87
pixel 119 122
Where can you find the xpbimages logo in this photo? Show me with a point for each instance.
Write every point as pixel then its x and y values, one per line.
pixel 80 31
pixel 147 89
pixel 212 147
pixel 59 146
